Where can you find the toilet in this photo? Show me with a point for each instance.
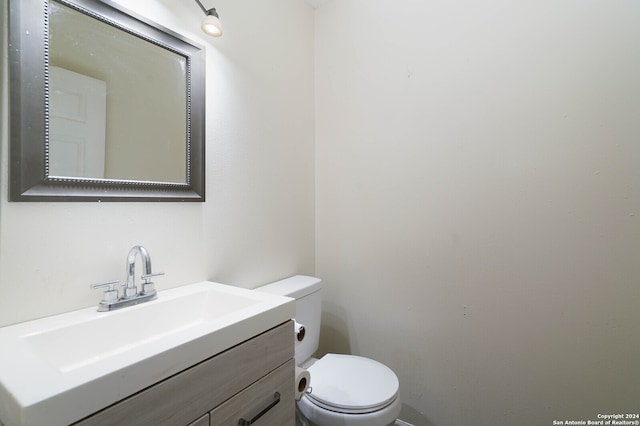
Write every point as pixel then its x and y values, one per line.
pixel 345 390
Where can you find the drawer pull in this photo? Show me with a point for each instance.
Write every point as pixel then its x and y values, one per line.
pixel 276 399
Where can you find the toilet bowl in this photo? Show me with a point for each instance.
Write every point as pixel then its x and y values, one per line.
pixel 351 390
pixel 345 390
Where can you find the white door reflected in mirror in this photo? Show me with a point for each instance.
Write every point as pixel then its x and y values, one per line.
pixel 77 118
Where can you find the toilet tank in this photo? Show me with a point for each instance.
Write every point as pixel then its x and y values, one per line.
pixel 308 294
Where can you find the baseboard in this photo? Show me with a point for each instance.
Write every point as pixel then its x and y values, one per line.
pixel 402 423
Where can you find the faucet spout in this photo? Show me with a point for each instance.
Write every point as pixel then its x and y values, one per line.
pixel 130 289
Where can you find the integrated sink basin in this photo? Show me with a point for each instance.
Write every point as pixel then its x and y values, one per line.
pixel 60 369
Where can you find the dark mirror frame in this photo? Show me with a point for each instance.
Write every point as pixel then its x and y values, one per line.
pixel 28 85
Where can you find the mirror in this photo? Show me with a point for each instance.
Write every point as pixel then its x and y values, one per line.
pixel 105 105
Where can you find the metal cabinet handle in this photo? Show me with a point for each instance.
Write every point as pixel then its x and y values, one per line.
pixel 276 399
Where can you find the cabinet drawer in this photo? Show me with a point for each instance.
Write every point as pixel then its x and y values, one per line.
pixel 276 390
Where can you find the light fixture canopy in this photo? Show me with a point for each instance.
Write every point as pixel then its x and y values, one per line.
pixel 211 24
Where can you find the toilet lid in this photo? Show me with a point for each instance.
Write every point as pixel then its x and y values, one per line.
pixel 352 384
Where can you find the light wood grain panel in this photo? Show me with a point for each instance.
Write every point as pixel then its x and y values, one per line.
pixel 202 421
pixel 184 397
pixel 251 401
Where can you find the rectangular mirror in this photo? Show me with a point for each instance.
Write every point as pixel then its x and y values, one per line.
pixel 105 105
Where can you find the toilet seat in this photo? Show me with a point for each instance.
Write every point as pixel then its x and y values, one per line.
pixel 351 384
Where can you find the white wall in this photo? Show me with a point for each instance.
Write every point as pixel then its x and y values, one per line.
pixel 478 203
pixel 258 222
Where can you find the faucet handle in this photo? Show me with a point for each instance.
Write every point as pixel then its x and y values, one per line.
pixel 147 277
pixel 111 293
pixel 147 286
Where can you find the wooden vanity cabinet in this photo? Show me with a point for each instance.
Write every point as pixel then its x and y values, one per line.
pixel 202 421
pixel 236 385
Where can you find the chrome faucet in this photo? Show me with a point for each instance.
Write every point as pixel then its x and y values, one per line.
pixel 131 296
pixel 130 289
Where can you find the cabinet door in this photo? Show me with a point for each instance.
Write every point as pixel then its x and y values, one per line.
pixel 269 401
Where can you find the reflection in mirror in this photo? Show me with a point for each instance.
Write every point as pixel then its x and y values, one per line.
pixel 145 100
pixel 77 117
pixel 121 102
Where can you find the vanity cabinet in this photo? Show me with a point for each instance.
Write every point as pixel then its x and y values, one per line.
pixel 251 381
pixel 202 421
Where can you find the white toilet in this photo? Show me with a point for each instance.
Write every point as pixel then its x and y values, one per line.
pixel 346 390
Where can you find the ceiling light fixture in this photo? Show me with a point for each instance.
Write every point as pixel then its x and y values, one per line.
pixel 211 24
